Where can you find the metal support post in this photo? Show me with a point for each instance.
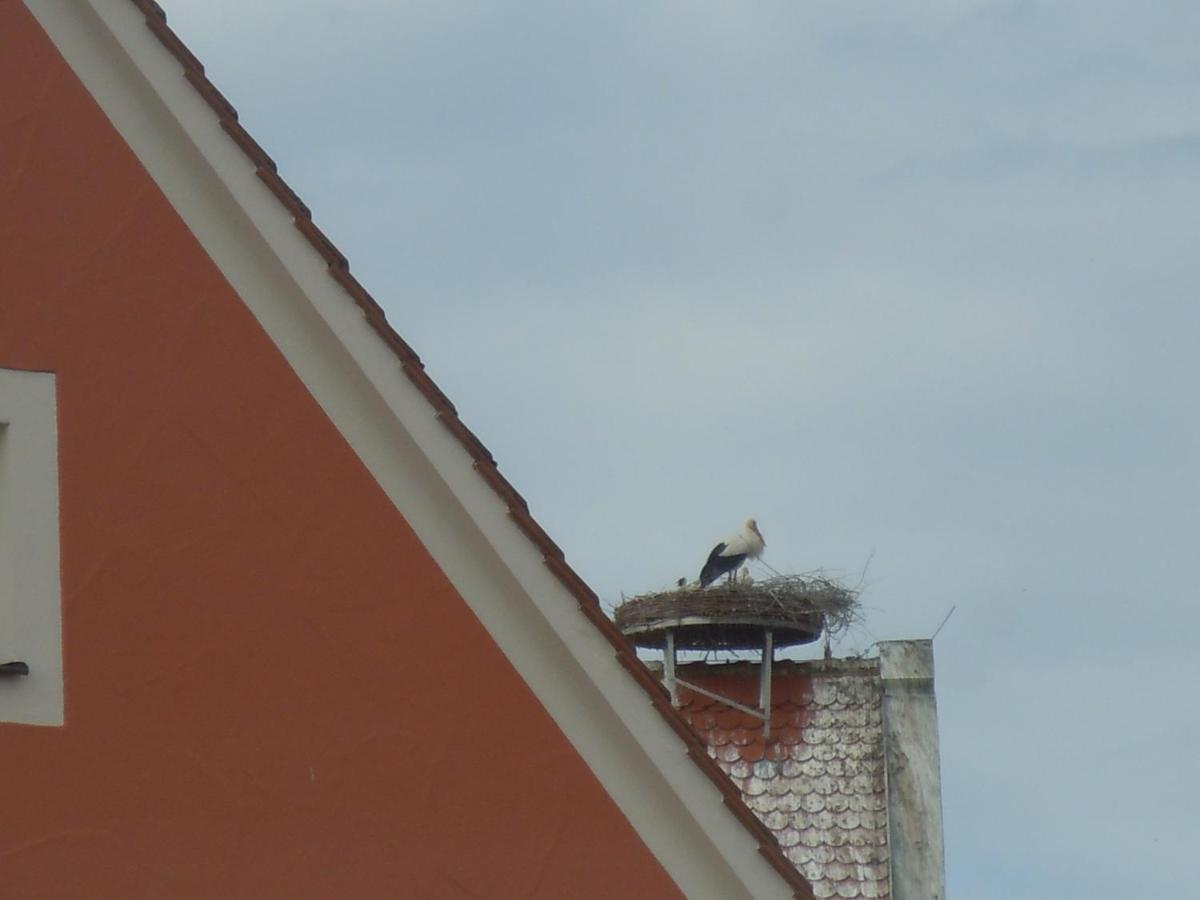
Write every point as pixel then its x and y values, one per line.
pixel 764 688
pixel 669 668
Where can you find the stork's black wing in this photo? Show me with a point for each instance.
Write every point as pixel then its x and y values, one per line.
pixel 719 565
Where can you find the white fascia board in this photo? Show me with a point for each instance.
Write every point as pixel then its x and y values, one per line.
pixel 357 380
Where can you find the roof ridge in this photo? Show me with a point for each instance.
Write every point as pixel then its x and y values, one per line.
pixel 484 462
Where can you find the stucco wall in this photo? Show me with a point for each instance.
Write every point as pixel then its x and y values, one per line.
pixel 270 689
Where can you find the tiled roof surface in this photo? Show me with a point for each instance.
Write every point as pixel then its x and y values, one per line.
pixel 485 464
pixel 818 782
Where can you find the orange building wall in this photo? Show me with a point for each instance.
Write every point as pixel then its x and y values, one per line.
pixel 259 701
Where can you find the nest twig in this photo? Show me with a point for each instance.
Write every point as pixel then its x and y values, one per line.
pixel 799 600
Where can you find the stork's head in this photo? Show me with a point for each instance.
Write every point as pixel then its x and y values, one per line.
pixel 752 527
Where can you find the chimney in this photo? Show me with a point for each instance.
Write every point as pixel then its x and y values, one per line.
pixel 838 758
pixel 914 787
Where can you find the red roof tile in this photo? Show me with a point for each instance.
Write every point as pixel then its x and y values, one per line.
pixel 589 605
pixel 818 782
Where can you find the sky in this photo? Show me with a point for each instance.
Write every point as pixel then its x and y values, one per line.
pixel 914 284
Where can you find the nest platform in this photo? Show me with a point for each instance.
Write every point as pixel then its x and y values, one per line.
pixel 796 609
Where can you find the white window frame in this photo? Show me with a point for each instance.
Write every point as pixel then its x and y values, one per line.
pixel 30 588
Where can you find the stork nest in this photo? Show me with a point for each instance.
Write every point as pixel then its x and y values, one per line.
pixel 797 608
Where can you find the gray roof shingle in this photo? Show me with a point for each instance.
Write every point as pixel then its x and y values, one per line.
pixel 818 781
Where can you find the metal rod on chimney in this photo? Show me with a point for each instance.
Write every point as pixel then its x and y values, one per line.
pixel 764 688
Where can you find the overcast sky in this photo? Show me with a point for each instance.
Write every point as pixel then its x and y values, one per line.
pixel 911 279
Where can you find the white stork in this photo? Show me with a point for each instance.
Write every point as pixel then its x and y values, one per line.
pixel 725 558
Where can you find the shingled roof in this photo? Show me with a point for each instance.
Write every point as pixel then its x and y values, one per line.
pixel 484 463
pixel 818 781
